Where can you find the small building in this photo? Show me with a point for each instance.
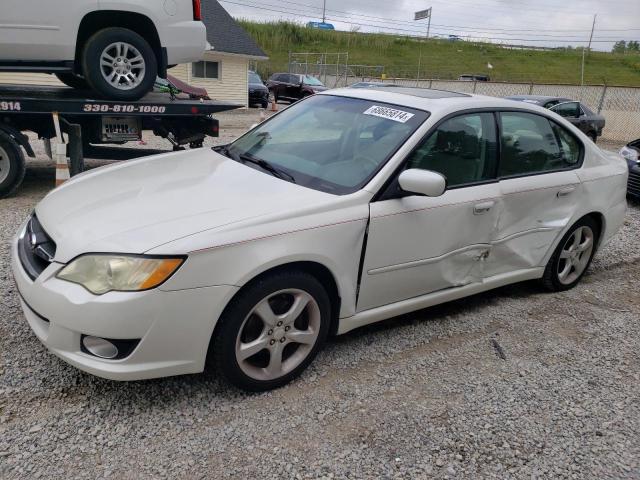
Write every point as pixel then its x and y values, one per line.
pixel 223 70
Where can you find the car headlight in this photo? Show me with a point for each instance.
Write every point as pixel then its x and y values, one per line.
pixel 102 273
pixel 630 154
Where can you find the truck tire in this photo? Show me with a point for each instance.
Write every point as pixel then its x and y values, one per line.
pixel 12 165
pixel 119 64
pixel 72 80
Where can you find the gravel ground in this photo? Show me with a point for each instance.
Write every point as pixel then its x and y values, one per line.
pixel 426 395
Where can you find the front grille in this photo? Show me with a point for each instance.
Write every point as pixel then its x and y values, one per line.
pixel 633 187
pixel 36 249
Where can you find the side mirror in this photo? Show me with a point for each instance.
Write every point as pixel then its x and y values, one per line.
pixel 422 182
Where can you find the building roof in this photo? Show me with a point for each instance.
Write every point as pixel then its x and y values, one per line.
pixel 225 35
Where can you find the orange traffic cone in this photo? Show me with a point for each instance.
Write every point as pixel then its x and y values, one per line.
pixel 274 104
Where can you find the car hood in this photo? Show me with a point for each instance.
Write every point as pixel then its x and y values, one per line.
pixel 257 86
pixel 136 206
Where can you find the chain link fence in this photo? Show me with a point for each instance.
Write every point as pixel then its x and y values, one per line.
pixel 619 105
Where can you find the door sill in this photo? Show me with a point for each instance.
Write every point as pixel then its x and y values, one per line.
pixel 417 303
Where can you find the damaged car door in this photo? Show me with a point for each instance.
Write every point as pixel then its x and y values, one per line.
pixel 418 244
pixel 540 189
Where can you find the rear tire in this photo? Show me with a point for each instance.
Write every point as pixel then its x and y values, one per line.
pixel 74 81
pixel 271 331
pixel 572 257
pixel 12 165
pixel 134 69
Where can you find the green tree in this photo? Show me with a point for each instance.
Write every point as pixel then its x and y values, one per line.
pixel 620 47
pixel 633 46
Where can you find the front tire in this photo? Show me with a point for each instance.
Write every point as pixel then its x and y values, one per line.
pixel 572 257
pixel 271 331
pixel 119 64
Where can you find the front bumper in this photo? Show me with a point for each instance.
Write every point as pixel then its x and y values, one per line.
pixel 258 96
pixel 174 327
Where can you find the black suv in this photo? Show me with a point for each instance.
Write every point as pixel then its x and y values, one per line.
pixel 293 86
pixel 258 93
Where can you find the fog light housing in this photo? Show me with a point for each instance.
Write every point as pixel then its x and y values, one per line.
pixel 100 347
pixel 106 348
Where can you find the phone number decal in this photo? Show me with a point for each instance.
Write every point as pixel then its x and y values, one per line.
pixel 10 106
pixel 102 108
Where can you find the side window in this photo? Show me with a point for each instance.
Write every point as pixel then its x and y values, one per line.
pixel 569 146
pixel 568 109
pixel 463 149
pixel 530 145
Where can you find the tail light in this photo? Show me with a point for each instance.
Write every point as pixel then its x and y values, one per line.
pixel 197 10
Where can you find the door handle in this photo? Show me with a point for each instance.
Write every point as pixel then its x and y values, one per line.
pixel 484 207
pixel 563 192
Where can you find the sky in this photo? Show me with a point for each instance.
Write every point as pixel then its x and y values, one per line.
pixel 549 23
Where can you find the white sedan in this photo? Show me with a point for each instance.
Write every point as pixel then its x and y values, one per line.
pixel 349 207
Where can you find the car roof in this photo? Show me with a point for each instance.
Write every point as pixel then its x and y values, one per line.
pixel 434 101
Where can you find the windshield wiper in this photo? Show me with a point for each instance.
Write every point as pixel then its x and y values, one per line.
pixel 226 151
pixel 276 172
pixel 246 158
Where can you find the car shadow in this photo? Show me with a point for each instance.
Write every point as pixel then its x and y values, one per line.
pixel 202 389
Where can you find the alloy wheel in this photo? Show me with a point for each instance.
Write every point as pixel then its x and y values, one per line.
pixel 122 66
pixel 278 334
pixel 575 255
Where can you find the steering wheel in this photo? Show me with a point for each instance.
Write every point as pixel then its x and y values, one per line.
pixel 366 163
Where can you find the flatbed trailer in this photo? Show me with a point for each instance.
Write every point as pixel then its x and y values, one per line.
pixel 50 112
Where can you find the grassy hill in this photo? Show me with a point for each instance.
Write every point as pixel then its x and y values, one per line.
pixel 442 58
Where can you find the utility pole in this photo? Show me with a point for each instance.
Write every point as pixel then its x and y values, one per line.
pixel 421 15
pixel 593 27
pixel 324 12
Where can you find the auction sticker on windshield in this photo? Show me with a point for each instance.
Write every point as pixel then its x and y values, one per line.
pixel 389 113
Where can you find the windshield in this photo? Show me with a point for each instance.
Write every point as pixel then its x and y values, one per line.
pixel 329 143
pixel 313 81
pixel 254 78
